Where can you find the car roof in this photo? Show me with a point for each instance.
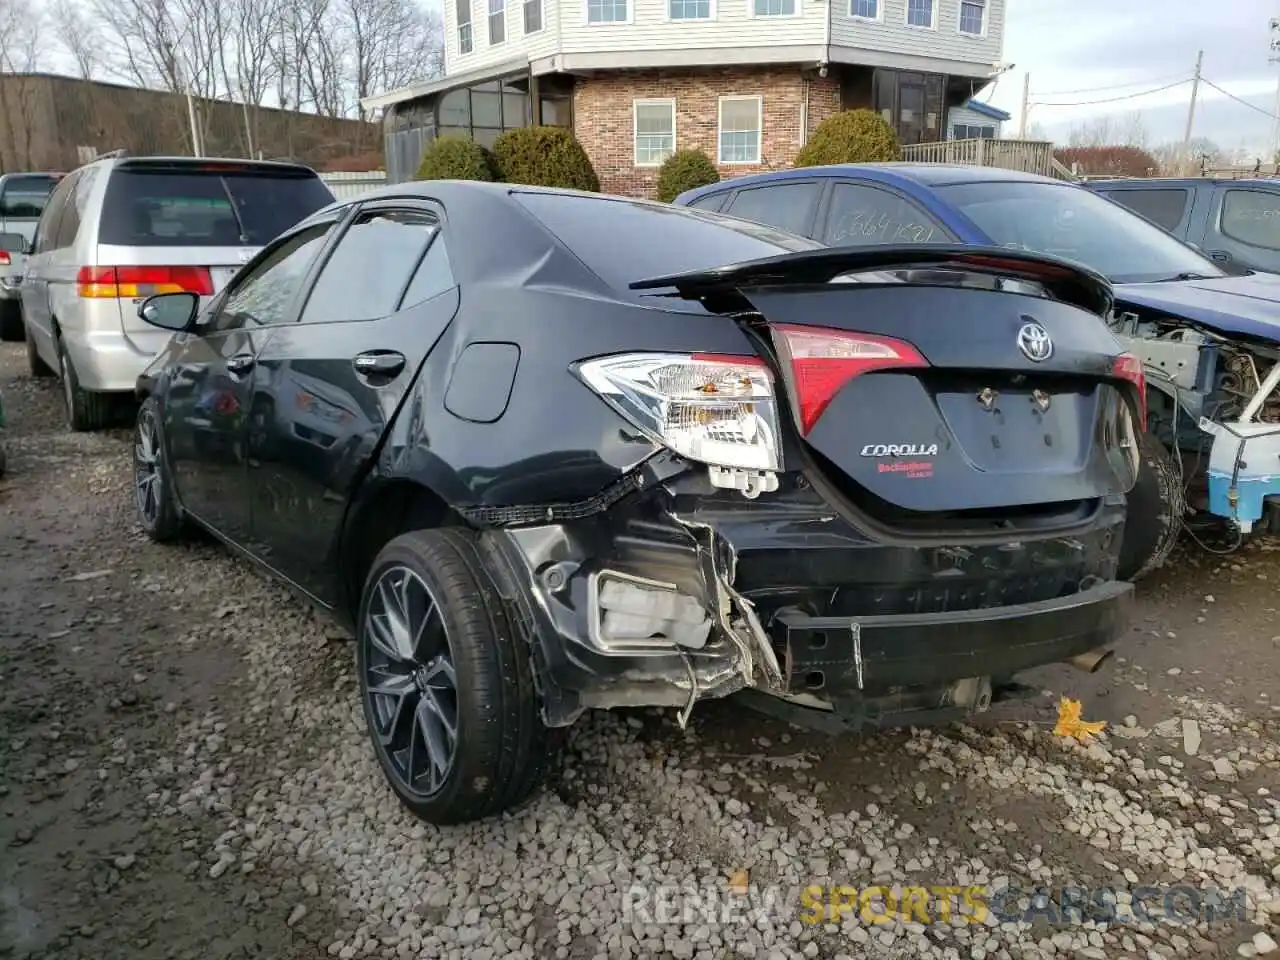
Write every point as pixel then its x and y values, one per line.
pixel 899 173
pixel 1156 183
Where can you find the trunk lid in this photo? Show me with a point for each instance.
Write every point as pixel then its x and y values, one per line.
pixel 942 380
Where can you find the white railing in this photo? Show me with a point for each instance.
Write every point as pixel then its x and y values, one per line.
pixel 348 185
pixel 1030 156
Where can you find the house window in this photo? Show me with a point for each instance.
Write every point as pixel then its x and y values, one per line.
pixel 690 9
pixel 773 8
pixel 867 9
pixel 961 131
pixel 920 13
pixel 655 131
pixel 740 122
pixel 497 21
pixel 606 11
pixel 972 16
pixel 464 26
pixel 532 16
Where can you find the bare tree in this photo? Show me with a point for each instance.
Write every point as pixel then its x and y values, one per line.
pixel 391 43
pixel 21 32
pixel 76 35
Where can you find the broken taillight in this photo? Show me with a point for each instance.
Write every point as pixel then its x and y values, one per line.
pixel 718 410
pixel 1129 367
pixel 823 360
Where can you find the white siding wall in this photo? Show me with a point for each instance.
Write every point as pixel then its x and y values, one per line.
pixel 731 25
pixel 517 45
pixel 891 34
pixel 970 118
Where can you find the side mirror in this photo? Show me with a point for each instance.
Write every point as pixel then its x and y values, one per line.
pixel 13 243
pixel 170 311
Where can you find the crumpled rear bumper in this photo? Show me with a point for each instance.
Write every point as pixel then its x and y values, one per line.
pixel 679 593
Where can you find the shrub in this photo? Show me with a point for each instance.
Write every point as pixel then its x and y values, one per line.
pixel 544 157
pixel 854 136
pixel 1110 161
pixel 685 170
pixel 455 158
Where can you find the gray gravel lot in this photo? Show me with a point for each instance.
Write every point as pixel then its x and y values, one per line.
pixel 183 773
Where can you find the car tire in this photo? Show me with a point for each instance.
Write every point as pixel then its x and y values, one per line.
pixel 86 410
pixel 35 364
pixel 11 321
pixel 153 494
pixel 469 672
pixel 1154 512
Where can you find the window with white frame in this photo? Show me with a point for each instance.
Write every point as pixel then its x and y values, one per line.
pixel 607 11
pixel 740 122
pixel 655 131
pixel 532 16
pixel 920 13
pixel 464 26
pixel 867 9
pixel 973 16
pixel 497 21
pixel 773 8
pixel 690 9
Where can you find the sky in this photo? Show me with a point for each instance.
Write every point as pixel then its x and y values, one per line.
pixel 1091 50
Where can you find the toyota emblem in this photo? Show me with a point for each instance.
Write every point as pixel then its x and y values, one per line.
pixel 1035 343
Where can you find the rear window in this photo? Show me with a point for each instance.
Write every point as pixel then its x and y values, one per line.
pixel 24 197
pixel 165 207
pixel 622 241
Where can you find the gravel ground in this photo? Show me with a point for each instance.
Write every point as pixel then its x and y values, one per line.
pixel 183 773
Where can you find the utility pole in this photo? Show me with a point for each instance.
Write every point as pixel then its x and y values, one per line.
pixel 1195 90
pixel 1026 105
pixel 1274 140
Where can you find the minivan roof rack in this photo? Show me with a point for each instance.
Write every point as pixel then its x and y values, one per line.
pixel 113 154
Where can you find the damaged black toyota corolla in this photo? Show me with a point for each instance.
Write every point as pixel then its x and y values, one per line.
pixel 544 452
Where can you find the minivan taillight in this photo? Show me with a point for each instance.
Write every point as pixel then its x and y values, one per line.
pixel 4 258
pixel 129 283
pixel 823 360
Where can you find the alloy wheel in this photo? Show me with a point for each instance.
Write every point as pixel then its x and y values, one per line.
pixel 146 469
pixel 410 681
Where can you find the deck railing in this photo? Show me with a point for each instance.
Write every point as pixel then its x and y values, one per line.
pixel 1030 156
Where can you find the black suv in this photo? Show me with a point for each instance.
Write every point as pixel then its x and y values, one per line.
pixel 546 451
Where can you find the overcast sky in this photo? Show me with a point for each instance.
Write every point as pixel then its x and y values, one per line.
pixel 1091 50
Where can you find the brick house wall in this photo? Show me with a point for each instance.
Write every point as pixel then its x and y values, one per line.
pixel 603 118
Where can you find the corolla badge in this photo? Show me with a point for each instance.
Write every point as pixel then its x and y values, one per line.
pixel 1035 343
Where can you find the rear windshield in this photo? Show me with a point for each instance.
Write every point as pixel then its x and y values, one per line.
pixel 155 208
pixel 622 241
pixel 24 197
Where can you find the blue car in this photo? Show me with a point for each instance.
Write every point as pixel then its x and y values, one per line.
pixel 1209 340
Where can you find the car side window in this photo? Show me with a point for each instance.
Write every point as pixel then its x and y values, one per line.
pixel 863 215
pixel 1252 217
pixel 73 212
pixel 711 202
pixel 787 206
pixel 1163 207
pixel 264 296
pixel 47 225
pixel 433 277
pixel 371 266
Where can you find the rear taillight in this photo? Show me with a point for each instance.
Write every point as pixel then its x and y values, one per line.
pixel 822 360
pixel 1129 367
pixel 718 410
pixel 4 258
pixel 132 282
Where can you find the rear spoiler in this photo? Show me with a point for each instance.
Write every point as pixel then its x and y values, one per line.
pixel 216 165
pixel 1063 279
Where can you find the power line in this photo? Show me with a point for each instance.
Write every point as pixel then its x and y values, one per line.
pixel 1127 96
pixel 1110 86
pixel 1243 103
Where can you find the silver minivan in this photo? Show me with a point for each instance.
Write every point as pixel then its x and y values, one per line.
pixel 22 199
pixel 124 228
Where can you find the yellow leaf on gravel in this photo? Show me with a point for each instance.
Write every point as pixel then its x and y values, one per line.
pixel 738 881
pixel 1070 725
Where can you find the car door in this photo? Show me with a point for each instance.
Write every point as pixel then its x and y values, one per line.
pixel 1244 228
pixel 329 384
pixel 789 205
pixel 860 213
pixel 215 374
pixel 35 281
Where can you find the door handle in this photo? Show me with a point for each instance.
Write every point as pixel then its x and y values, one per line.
pixel 241 363
pixel 378 363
